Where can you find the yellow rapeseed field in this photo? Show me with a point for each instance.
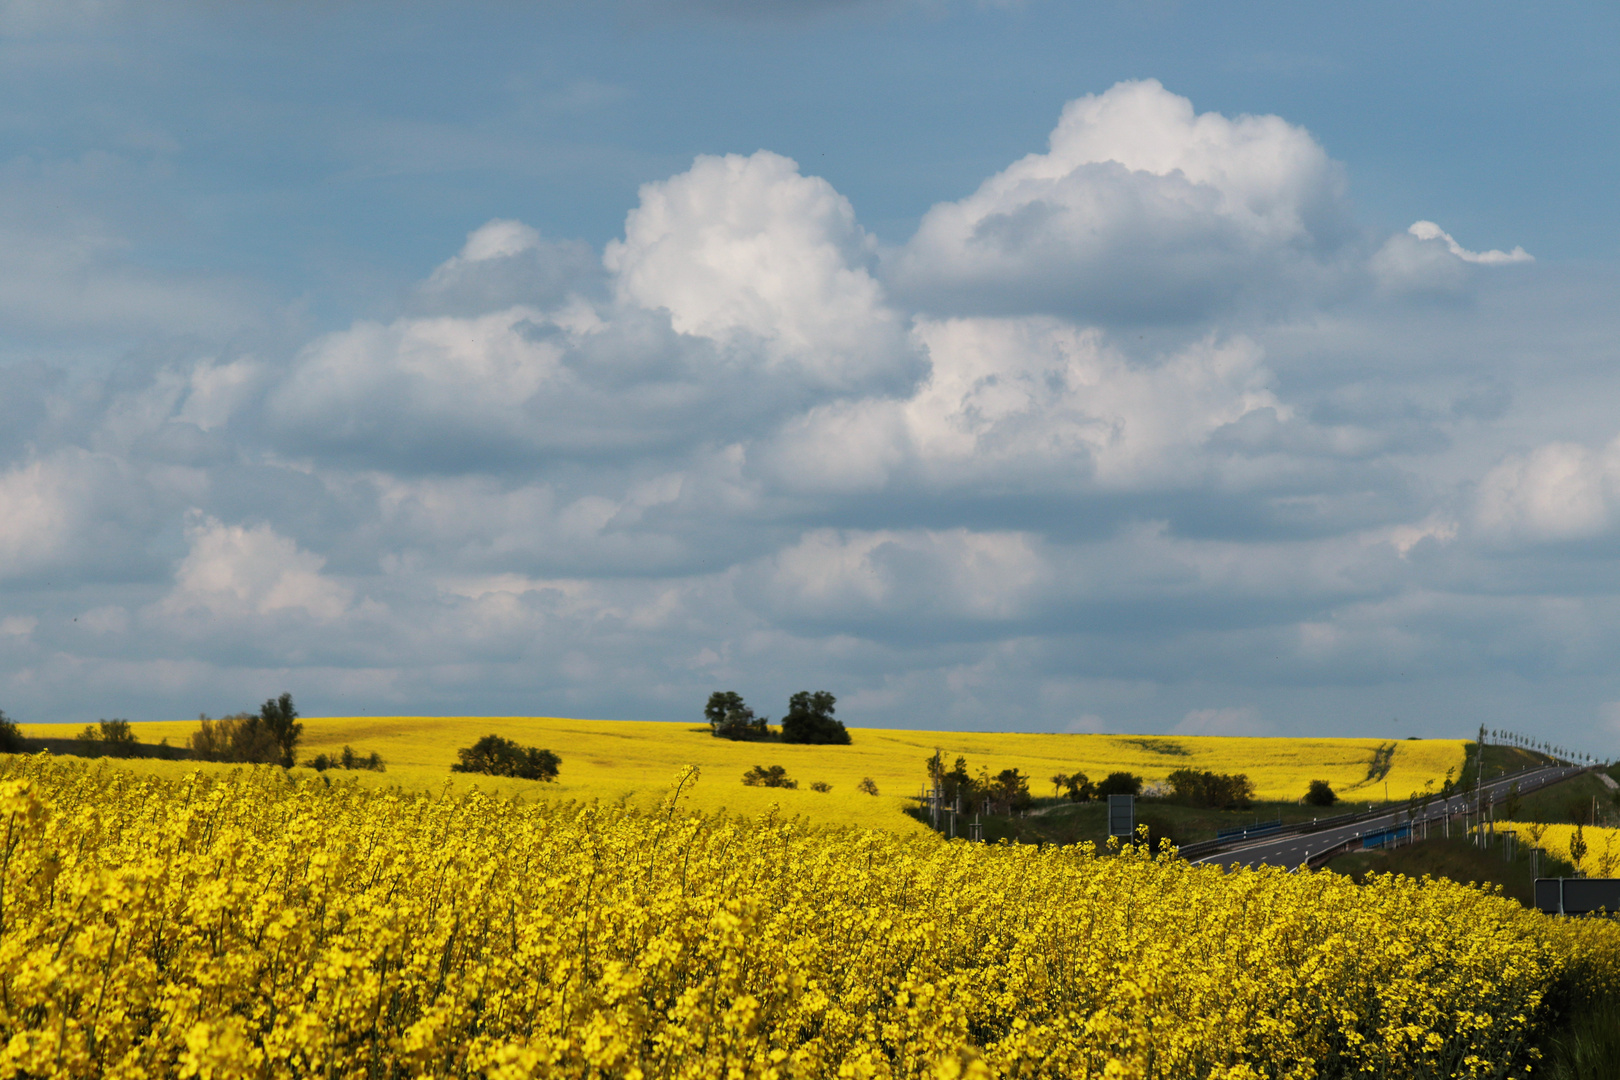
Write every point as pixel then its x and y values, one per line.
pixel 261 924
pixel 1602 858
pixel 614 760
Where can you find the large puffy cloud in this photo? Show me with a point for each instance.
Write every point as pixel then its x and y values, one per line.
pixel 740 294
pixel 73 514
pixel 1559 491
pixel 891 576
pixel 746 249
pixel 235 571
pixel 1140 211
pixel 1032 404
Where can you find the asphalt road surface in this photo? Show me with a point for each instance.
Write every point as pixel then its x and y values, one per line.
pixel 1290 851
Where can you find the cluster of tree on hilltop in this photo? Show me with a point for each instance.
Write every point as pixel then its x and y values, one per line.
pixel 269 736
pixel 809 719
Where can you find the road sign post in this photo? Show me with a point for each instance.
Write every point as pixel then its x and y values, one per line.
pixel 1122 816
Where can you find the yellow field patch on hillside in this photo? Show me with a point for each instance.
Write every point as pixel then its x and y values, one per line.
pixel 1602 857
pixel 636 760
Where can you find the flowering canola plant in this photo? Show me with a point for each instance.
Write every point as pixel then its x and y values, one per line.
pixel 256 924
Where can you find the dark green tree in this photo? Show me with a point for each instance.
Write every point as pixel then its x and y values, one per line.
pixel 1321 794
pixel 280 719
pixel 1219 791
pixel 729 718
pixel 809 719
pixel 1120 783
pixel 11 737
pixel 774 776
pixel 494 755
pixel 954 782
pixel 1078 787
pixel 1009 790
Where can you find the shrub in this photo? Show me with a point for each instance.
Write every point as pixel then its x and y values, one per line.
pixel 1078 788
pixel 1120 783
pixel 351 760
pixel 1321 794
pixel 497 756
pixel 809 719
pixel 11 737
pixel 775 776
pixel 729 718
pixel 348 759
pixel 1220 791
pixel 821 786
pixel 867 786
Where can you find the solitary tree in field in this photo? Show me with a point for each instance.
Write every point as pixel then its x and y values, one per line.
pixel 1321 794
pixel 11 739
pixel 280 719
pixel 1577 849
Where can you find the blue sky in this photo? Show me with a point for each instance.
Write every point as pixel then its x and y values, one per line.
pixel 1150 367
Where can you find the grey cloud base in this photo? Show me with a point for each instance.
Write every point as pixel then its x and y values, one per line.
pixel 1143 434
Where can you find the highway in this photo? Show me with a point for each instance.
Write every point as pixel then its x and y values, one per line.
pixel 1292 850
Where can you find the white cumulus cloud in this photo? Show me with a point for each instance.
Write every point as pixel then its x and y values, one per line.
pixel 1141 210
pixel 951 573
pixel 1559 491
pixel 1031 402
pixel 237 570
pixel 746 247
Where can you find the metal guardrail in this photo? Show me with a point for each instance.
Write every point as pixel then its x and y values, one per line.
pixel 1241 831
pixel 1374 840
